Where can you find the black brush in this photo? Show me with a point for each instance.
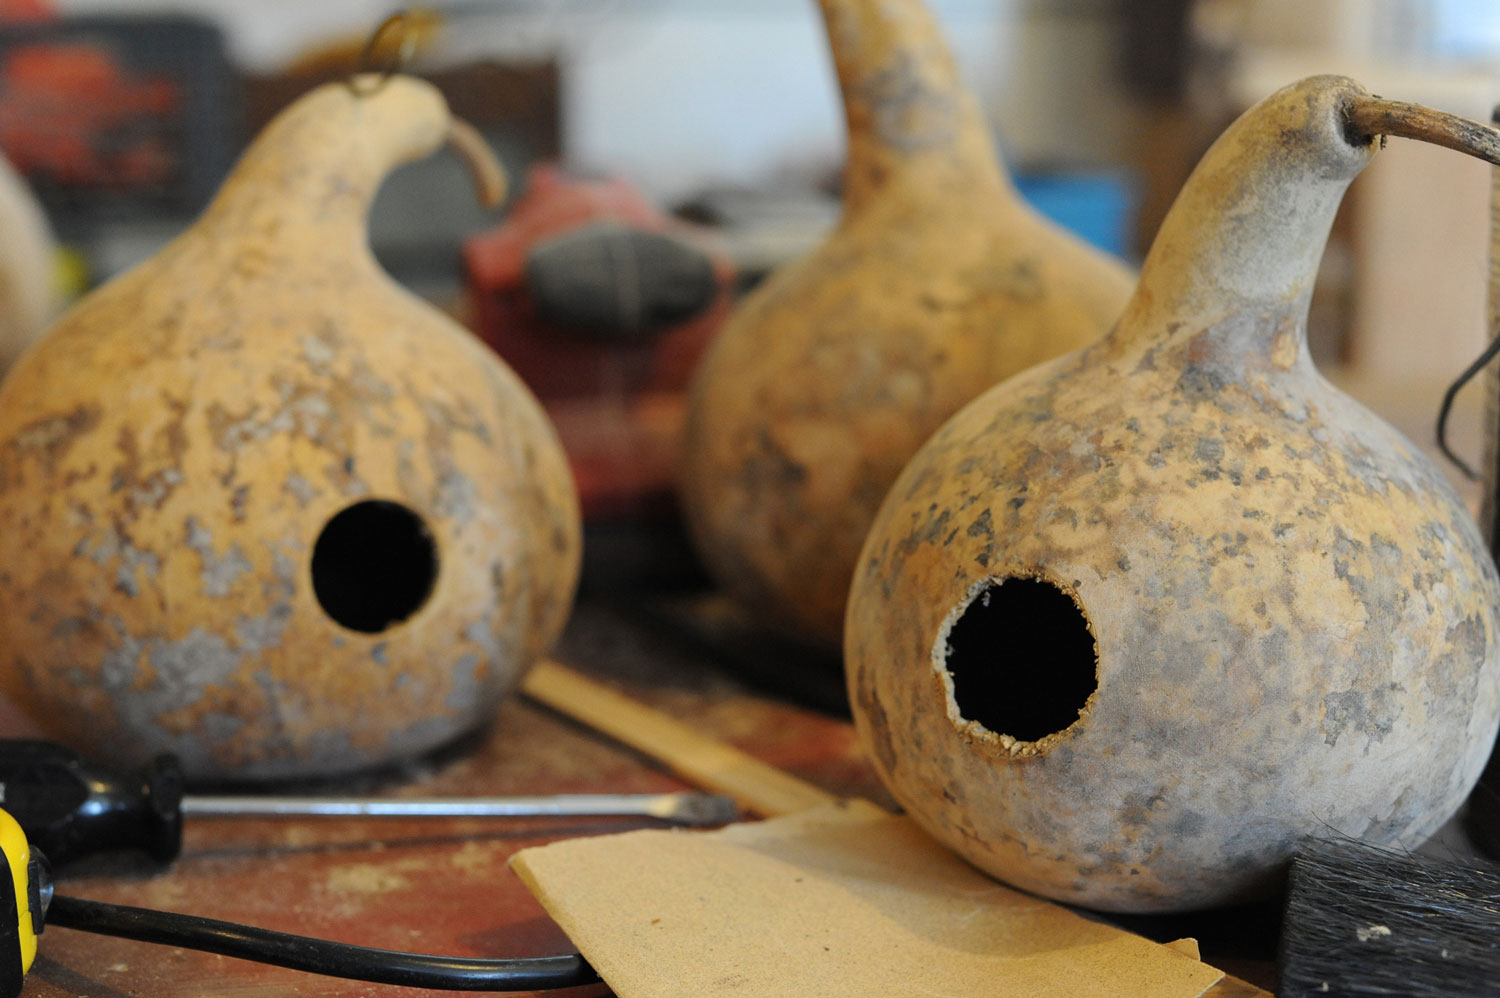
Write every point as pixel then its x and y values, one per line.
pixel 1364 921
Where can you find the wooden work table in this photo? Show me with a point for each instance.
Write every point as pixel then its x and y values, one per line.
pixel 441 885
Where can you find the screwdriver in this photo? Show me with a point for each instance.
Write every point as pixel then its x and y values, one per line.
pixel 70 808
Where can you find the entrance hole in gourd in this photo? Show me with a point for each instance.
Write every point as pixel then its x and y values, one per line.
pixel 374 565
pixel 1022 659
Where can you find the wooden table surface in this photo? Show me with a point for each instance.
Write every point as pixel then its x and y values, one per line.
pixel 442 885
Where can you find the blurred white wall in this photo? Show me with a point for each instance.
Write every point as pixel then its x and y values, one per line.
pixel 1409 30
pixel 677 93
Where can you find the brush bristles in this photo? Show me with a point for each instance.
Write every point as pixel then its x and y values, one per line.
pixel 1367 921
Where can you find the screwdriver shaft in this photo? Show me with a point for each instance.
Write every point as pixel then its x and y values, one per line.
pixel 671 806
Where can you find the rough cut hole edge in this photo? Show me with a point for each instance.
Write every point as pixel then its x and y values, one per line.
pixel 1002 745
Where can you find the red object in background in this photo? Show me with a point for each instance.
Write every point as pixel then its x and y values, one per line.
pixel 71 115
pixel 111 118
pixel 26 10
pixel 603 305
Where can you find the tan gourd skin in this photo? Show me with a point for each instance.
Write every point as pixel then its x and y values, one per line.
pixel 937 283
pixel 171 450
pixel 1294 616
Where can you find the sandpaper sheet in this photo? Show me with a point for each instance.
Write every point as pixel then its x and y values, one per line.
pixel 841 900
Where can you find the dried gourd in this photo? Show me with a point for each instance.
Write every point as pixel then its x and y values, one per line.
pixel 937 283
pixel 262 507
pixel 1135 622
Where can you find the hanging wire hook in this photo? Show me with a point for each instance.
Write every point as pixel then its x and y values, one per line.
pixel 1447 407
pixel 1489 354
pixel 360 82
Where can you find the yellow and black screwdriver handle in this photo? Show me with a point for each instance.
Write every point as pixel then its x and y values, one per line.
pixel 24 889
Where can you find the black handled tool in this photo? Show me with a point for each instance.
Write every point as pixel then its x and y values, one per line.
pixel 69 807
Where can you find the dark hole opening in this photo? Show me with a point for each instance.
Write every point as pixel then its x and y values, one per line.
pixel 1022 659
pixel 373 565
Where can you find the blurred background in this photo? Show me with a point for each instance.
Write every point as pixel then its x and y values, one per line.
pixel 710 132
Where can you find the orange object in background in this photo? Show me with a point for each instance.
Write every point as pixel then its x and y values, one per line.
pixel 25 10
pixel 70 113
pixel 114 118
pixel 603 305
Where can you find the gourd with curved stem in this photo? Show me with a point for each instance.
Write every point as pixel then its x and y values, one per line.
pixel 262 507
pixel 1136 621
pixel 937 283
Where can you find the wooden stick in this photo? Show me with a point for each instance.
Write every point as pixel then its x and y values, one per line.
pixel 700 760
pixel 1489 516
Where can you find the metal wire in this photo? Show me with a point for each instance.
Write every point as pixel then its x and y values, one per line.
pixel 360 82
pixel 1492 445
pixel 1463 379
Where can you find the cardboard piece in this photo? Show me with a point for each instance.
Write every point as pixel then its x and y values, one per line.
pixel 838 900
pixel 1187 947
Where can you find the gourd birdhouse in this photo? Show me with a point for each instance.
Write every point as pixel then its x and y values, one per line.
pixel 262 507
pixel 1137 621
pixel 937 283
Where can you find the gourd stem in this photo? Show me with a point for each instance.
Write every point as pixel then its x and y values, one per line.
pixel 470 147
pixel 309 178
pixel 905 105
pixel 1371 116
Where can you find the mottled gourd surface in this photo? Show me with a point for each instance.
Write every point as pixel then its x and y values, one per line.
pixel 263 508
pixel 937 283
pixel 1135 622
